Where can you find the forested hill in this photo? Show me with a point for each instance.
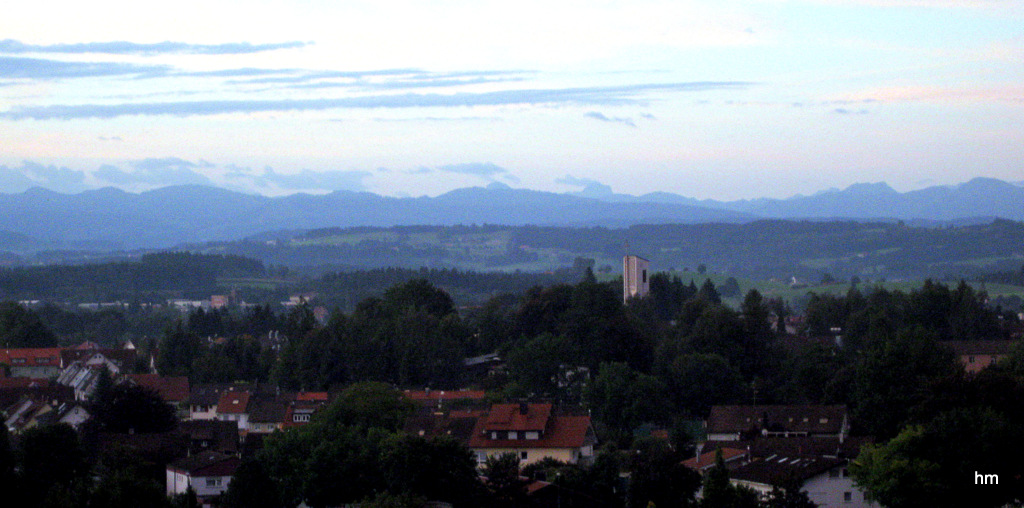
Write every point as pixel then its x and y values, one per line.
pixel 763 249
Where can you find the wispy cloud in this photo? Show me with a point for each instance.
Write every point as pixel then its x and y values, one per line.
pixel 486 170
pixel 331 180
pixel 155 172
pixel 32 174
pixel 607 95
pixel 12 67
pixel 588 186
pixel 600 116
pixel 133 48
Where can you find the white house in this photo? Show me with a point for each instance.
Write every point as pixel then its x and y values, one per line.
pixel 826 481
pixel 208 473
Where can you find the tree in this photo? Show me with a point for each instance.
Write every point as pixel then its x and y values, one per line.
pixel 20 327
pixel 437 469
pixel 53 464
pixel 368 404
pixel 720 493
pixel 251 487
pixel 931 464
pixel 127 407
pixel 503 480
pixel 622 398
pixel 657 476
pixel 730 288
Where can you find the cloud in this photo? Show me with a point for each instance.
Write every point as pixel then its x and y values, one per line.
pixel 844 111
pixel 305 180
pixel 600 116
pixel 34 68
pixel 609 95
pixel 133 48
pixel 589 187
pixel 154 173
pixel 31 174
pixel 486 170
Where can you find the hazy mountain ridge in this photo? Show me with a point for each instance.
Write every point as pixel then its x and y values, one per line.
pixel 111 219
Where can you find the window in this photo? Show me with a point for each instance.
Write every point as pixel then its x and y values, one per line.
pixel 644 273
pixel 533 435
pixel 513 434
pixel 481 457
pixel 17 361
pixel 522 455
pixel 847 497
pixel 214 482
pixel 300 417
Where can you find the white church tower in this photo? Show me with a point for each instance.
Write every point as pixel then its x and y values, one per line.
pixel 635 283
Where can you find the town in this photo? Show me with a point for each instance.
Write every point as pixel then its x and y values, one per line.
pixel 631 391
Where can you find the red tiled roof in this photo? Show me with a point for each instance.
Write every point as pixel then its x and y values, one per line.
pixel 232 402
pixel 23 382
pixel 31 357
pixel 421 395
pixel 513 417
pixel 563 432
pixel 706 460
pixel 311 396
pixel 171 389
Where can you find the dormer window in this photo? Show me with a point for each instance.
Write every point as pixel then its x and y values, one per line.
pixel 532 435
pixel 513 434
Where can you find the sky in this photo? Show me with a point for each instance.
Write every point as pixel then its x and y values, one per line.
pixel 707 99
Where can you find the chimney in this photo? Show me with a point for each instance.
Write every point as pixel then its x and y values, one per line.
pixel 524 408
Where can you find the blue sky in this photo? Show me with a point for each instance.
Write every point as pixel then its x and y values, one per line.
pixel 722 100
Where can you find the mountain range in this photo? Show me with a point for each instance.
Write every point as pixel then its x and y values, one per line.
pixel 112 219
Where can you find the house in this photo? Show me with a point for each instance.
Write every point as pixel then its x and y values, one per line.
pixel 174 390
pixel 44 363
pixel 976 355
pixel 208 473
pixel 79 377
pixel 233 406
pixel 818 464
pixel 732 423
pixel 202 401
pixel 267 414
pixel 437 398
pixel 533 433
pixel 32 412
pixel 826 480
pixel 205 435
pixel 458 425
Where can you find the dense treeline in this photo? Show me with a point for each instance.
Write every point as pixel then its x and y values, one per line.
pixel 762 249
pixel 149 278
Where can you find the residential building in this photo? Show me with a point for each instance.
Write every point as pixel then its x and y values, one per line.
pixel 174 390
pixel 233 406
pixel 732 423
pixel 533 433
pixel 208 473
pixel 976 355
pixel 44 363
